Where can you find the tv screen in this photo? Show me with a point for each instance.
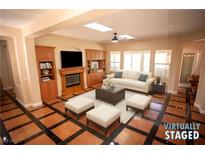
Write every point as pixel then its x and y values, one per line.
pixel 71 59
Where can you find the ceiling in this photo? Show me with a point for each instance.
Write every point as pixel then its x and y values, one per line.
pixel 141 24
pixel 20 18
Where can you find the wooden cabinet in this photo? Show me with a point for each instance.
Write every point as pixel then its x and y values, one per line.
pixel 92 54
pixel 45 57
pixel 95 74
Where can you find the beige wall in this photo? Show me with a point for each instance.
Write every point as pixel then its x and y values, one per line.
pixel 66 43
pixel 200 97
pixel 5 67
pixel 156 44
pixel 21 66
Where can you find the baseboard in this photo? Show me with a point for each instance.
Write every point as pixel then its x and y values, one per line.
pixel 171 91
pixel 22 103
pixel 37 104
pixel 7 88
pixel 30 104
pixel 202 111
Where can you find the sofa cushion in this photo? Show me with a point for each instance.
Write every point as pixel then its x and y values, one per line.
pixel 138 84
pixel 118 75
pixel 122 81
pixel 124 73
pixel 143 77
pixel 128 82
pixel 132 75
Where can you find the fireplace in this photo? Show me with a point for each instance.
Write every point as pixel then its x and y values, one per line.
pixel 72 80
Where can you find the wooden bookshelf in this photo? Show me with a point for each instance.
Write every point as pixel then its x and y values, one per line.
pixel 95 66
pixel 47 72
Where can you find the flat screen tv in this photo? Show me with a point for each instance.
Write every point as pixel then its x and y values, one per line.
pixel 71 59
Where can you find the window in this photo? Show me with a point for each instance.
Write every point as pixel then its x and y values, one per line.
pixel 115 60
pixel 162 63
pixel 137 60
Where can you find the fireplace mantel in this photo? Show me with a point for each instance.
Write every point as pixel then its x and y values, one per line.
pixel 71 70
pixel 73 89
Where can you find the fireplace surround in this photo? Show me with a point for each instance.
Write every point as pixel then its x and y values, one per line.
pixel 72 80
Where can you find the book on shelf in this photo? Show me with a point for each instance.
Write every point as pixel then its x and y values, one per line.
pixel 45 79
pixel 45 66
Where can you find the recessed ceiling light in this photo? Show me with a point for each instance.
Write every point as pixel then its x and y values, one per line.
pixel 99 27
pixel 127 37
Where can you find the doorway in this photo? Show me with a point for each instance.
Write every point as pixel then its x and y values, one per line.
pixel 6 77
pixel 186 69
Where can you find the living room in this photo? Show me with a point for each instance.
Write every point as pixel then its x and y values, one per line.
pixel 147 53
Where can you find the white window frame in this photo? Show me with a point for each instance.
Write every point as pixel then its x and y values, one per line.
pixel 141 60
pixel 115 52
pixel 165 64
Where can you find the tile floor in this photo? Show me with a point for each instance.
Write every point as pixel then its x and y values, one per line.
pixel 48 124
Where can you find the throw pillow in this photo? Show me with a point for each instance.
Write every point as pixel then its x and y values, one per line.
pixel 118 75
pixel 143 77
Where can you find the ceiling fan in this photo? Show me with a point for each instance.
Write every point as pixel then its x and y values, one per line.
pixel 117 38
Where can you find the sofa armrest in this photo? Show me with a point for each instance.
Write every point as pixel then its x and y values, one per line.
pixel 150 80
pixel 149 83
pixel 110 76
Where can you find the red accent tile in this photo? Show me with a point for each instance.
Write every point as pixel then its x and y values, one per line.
pixel 86 138
pixel 24 132
pixel 41 140
pixel 129 137
pixel 142 124
pixel 65 130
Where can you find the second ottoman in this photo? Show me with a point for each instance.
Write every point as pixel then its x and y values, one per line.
pixel 104 116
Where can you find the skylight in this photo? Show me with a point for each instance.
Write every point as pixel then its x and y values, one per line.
pixel 127 37
pixel 99 27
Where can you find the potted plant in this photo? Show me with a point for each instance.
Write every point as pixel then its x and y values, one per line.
pixel 157 79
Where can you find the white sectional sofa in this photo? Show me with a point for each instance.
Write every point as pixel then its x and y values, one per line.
pixel 129 80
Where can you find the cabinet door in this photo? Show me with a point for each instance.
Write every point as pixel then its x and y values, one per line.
pixel 48 89
pixel 52 89
pixel 44 90
pixel 45 54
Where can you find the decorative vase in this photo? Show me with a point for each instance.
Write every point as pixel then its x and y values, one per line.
pixel 45 72
pixel 157 79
